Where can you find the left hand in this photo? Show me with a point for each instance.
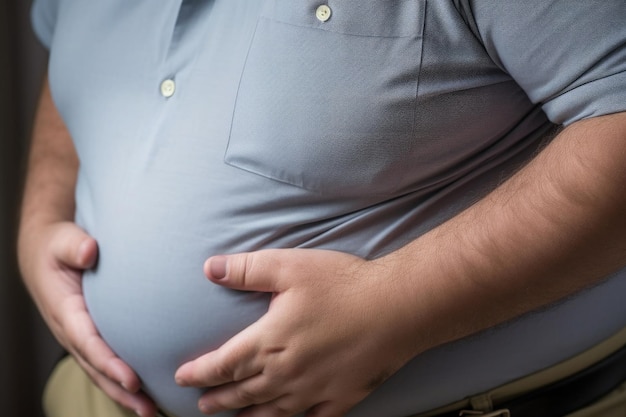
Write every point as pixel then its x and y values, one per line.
pixel 336 328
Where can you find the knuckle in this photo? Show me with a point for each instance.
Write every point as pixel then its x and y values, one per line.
pixel 247 396
pixel 224 372
pixel 247 267
pixel 284 371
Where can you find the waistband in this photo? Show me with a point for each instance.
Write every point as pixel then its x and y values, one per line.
pixel 553 392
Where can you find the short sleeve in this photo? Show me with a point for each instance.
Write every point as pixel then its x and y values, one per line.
pixel 43 15
pixel 568 55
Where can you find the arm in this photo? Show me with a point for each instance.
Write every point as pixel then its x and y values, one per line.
pixel 555 227
pixel 53 251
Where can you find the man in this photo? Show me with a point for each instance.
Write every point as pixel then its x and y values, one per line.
pixel 366 145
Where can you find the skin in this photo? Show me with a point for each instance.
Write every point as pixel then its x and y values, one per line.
pixel 330 336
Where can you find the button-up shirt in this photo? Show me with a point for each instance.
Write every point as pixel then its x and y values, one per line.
pixel 220 126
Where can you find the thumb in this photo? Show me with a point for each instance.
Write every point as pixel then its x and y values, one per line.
pixel 74 248
pixel 251 271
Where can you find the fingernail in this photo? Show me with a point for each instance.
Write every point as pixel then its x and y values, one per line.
pixel 179 379
pixel 206 408
pixel 217 267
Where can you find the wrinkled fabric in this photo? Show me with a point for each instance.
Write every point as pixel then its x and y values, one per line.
pixel 357 134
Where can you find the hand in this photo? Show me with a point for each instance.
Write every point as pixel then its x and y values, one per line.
pixel 52 260
pixel 335 330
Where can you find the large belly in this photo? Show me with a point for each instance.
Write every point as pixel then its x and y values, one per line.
pixel 153 306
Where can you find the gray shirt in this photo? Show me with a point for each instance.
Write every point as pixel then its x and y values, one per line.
pixel 221 126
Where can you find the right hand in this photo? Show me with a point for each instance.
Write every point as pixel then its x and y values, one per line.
pixel 52 260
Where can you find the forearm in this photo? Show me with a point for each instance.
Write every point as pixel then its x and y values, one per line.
pixel 557 226
pixel 52 167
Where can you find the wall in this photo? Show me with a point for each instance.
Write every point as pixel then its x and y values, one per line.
pixel 27 351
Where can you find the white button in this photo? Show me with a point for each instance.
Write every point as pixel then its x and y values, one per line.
pixel 168 87
pixel 323 13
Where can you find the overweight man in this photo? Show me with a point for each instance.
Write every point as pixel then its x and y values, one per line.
pixel 324 208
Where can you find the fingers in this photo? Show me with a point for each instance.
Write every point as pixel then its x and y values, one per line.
pixel 107 371
pixel 238 395
pixel 138 402
pixel 288 361
pixel 252 271
pixel 63 253
pixel 236 360
pixel 85 342
pixel 74 248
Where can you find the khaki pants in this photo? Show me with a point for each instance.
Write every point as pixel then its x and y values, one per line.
pixel 70 393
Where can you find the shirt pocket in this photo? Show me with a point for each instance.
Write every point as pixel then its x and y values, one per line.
pixel 327 96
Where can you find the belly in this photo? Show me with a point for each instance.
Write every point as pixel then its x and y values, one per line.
pixel 153 306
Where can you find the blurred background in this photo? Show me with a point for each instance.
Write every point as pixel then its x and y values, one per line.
pixel 27 350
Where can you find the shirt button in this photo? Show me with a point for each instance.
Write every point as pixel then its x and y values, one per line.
pixel 323 13
pixel 167 88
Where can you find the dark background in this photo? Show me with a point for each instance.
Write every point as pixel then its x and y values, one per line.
pixel 27 350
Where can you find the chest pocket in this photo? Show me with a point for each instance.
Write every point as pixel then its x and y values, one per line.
pixel 327 96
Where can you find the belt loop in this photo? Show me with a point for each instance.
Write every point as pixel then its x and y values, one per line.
pixel 482 403
pixel 503 412
pixel 482 406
